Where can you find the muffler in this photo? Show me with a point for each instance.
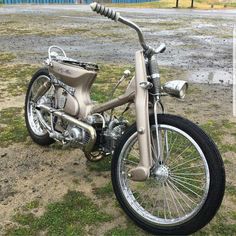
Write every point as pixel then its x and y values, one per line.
pixel 89 129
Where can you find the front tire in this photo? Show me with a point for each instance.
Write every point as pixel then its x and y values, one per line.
pixel 184 193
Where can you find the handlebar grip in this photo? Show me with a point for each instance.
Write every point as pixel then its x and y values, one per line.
pixel 105 11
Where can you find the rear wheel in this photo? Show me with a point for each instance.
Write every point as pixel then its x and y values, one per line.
pixel 184 191
pixel 37 132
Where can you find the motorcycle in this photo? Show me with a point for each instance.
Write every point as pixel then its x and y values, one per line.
pixel 167 174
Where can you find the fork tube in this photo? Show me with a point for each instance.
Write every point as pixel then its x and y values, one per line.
pixel 159 156
pixel 154 76
pixel 142 172
pixel 155 79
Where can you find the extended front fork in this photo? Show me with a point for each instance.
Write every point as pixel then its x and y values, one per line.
pixel 146 162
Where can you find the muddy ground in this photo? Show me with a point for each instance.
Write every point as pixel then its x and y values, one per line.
pixel 199 49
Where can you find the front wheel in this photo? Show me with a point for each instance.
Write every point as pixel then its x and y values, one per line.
pixel 184 191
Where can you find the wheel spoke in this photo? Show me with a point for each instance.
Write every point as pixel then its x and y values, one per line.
pixel 176 158
pixel 167 146
pixel 184 163
pixel 174 199
pixel 131 162
pixel 165 196
pixel 188 174
pixel 187 188
pixel 188 168
pixel 182 196
pixel 185 178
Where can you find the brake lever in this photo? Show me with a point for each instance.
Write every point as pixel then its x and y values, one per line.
pixel 161 48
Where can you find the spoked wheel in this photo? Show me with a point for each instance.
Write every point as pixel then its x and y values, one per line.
pixel 186 185
pixel 37 132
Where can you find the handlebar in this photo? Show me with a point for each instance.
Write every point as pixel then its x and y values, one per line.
pixel 105 11
pixel 113 15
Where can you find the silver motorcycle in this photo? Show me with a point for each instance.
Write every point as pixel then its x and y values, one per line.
pixel 167 174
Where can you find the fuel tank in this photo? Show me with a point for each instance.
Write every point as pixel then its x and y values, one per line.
pixel 72 75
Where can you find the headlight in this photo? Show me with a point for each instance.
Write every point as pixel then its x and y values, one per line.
pixel 176 88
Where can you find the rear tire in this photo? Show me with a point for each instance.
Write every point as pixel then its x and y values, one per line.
pixel 158 217
pixel 36 131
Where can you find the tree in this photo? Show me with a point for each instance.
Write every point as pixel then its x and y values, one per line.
pixel 192 3
pixel 177 4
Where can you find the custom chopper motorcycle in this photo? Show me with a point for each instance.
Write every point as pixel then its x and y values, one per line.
pixel 167 174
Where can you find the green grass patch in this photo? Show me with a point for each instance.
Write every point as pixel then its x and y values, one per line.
pixel 129 230
pixel 32 205
pixel 107 78
pixel 100 166
pixel 67 217
pixel 15 78
pixel 6 57
pixel 168 73
pixel 217 130
pixel 22 24
pixel 105 191
pixel 222 227
pixel 231 190
pixel 12 126
pixel 231 4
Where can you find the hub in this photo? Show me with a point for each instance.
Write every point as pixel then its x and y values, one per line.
pixel 161 173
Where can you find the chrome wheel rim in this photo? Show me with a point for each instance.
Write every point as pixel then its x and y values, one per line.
pixel 176 189
pixel 33 119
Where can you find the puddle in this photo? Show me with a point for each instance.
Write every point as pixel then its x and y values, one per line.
pixel 202 37
pixel 202 26
pixel 210 77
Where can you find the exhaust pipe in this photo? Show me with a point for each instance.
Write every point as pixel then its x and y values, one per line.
pixel 41 91
pixel 91 131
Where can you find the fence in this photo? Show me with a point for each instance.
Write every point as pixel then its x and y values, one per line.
pixel 38 1
pixel 69 1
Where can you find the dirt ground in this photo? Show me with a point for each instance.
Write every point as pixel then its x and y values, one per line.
pixel 199 49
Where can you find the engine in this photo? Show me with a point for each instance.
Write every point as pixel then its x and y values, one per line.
pixel 97 133
pixel 108 131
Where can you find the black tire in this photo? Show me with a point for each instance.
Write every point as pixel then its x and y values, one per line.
pixel 42 140
pixel 216 185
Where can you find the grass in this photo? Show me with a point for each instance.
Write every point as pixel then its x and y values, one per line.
pixel 217 130
pixel 124 231
pixel 107 78
pixel 14 78
pixel 6 57
pixel 168 73
pixel 32 205
pixel 109 75
pixel 20 24
pixel 199 4
pixel 231 190
pixel 67 217
pixel 101 166
pixel 12 126
pixel 105 191
pixel 219 226
pixel 14 24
